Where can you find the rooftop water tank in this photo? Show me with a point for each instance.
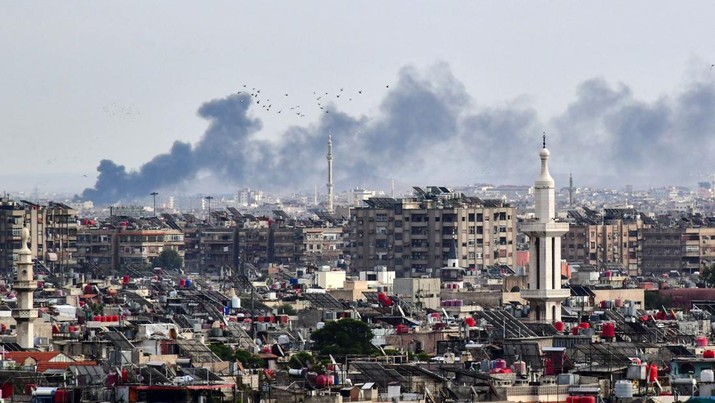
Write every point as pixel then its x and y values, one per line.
pixel 707 375
pixel 623 389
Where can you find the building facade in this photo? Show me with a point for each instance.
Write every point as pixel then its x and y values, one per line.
pixel 676 249
pixel 112 248
pixel 413 236
pixel 614 236
pixel 52 233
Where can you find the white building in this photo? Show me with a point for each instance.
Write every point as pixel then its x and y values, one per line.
pixel 330 280
pixel 380 278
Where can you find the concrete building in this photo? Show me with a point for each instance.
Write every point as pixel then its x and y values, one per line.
pixel 381 277
pixel 53 233
pixel 684 250
pixel 330 279
pixel 12 217
pixel 421 292
pixel 322 245
pixel 600 238
pixel 217 248
pixel 544 291
pixel 414 235
pixel 114 247
pixel 61 227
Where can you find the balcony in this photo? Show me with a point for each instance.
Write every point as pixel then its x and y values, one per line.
pixel 23 313
pixel 553 295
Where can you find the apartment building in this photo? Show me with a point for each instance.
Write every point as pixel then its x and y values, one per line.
pixel 284 244
pixel 413 235
pixel 125 241
pixel 322 246
pixel 600 238
pixel 53 233
pixel 684 250
pixel 217 248
pixel 61 227
pixel 12 219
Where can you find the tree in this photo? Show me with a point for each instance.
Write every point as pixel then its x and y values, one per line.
pixel 301 359
pixel 346 336
pixel 708 276
pixel 248 359
pixel 286 309
pixel 168 259
pixel 222 351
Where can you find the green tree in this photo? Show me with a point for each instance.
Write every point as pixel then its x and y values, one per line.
pixel 286 309
pixel 654 300
pixel 168 259
pixel 248 359
pixel 346 336
pixel 301 359
pixel 222 351
pixel 708 276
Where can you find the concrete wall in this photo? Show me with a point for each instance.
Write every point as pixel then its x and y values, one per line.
pixel 422 291
pixel 330 279
pixel 632 294
pixel 427 340
pixel 481 298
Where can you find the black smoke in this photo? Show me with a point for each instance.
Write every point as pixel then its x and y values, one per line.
pixel 429 130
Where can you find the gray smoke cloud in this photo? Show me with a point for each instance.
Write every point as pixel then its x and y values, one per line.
pixel 429 130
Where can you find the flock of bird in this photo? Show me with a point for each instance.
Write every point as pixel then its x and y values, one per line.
pixel 281 103
pixel 120 111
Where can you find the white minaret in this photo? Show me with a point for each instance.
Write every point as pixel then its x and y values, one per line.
pixel 25 313
pixel 330 174
pixel 544 291
pixel 452 259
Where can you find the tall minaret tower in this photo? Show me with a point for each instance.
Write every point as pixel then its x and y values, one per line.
pixel 570 189
pixel 544 291
pixel 25 313
pixel 330 174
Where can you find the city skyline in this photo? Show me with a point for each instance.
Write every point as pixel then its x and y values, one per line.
pixel 421 107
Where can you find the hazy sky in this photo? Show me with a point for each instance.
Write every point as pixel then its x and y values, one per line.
pixel 81 82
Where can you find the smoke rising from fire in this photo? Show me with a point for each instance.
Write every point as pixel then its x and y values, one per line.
pixel 429 130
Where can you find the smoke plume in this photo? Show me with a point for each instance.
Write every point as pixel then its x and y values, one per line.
pixel 429 130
